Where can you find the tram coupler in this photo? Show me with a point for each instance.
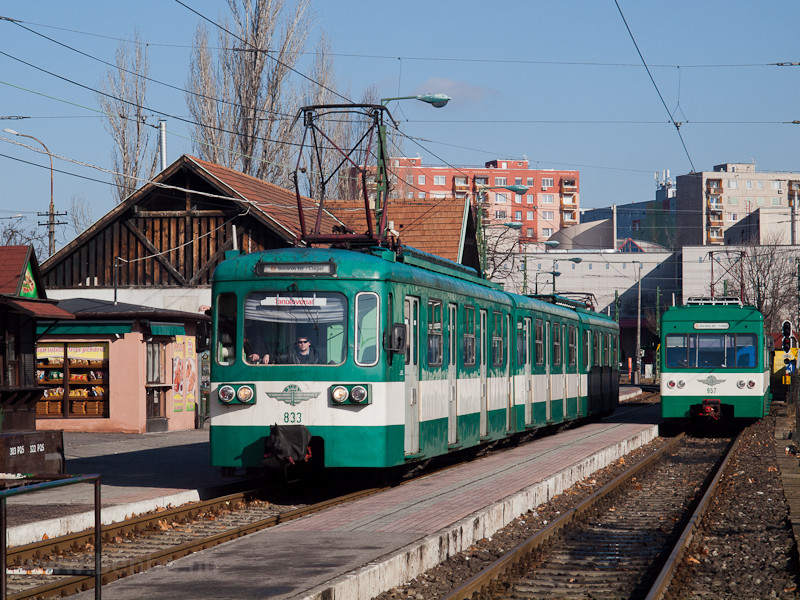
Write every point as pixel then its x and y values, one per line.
pixel 711 408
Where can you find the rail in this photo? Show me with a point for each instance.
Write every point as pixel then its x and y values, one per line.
pixel 51 482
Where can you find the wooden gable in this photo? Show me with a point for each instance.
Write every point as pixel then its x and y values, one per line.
pixel 19 273
pixel 173 231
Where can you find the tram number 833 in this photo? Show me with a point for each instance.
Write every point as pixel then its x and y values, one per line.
pixel 292 417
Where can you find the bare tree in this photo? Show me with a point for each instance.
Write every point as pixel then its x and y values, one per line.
pixel 502 257
pixel 122 100
pixel 766 276
pixel 242 98
pixel 15 233
pixel 80 213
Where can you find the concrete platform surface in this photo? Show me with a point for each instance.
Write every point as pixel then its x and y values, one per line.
pixel 139 472
pixel 359 550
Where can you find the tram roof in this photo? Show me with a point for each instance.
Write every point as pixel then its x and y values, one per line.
pixel 711 313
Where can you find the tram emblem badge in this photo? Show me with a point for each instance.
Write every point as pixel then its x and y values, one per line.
pixel 293 395
pixel 711 380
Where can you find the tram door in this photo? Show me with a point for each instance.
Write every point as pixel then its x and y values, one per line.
pixel 573 379
pixel 452 375
pixel 526 359
pixel 564 370
pixel 547 367
pixel 411 312
pixel 484 376
pixel 509 379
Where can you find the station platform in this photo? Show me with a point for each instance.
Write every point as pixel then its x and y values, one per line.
pixel 366 547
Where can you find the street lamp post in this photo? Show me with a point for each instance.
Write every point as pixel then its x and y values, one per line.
pixel 575 260
pixel 435 100
pixel 638 325
pixel 51 221
pixel 554 273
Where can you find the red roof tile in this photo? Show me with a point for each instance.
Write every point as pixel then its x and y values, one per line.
pixel 12 267
pixel 433 226
pixel 277 203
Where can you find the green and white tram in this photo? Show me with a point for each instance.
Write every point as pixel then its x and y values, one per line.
pixel 715 361
pixel 383 358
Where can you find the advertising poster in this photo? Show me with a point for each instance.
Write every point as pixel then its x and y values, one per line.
pixel 184 374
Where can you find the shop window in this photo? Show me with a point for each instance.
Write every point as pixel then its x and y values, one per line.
pixel 75 377
pixel 156 373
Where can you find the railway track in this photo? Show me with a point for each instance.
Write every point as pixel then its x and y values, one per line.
pixel 623 541
pixel 42 570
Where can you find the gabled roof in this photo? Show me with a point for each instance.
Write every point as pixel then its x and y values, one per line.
pixel 275 206
pixel 436 226
pixel 15 278
pixel 276 203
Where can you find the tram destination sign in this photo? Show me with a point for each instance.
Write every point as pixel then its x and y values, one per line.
pixel 712 326
pixel 293 269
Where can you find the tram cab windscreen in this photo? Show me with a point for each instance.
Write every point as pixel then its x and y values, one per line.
pixel 711 350
pixel 295 328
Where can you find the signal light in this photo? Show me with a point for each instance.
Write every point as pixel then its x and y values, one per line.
pixel 786 329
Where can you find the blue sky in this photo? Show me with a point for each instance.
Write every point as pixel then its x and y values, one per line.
pixel 558 82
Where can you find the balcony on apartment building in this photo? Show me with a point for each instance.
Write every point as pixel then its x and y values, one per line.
pixel 714 186
pixel 716 219
pixel 715 205
pixel 569 186
pixel 461 186
pixel 568 200
pixel 569 217
pixel 715 235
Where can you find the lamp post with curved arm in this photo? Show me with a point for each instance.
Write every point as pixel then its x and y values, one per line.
pixel 51 221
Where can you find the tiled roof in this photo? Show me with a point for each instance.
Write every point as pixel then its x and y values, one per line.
pixel 41 309
pixel 277 203
pixel 433 226
pixel 12 266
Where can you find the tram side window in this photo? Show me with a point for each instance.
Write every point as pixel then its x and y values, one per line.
pixel 497 339
pixel 556 344
pixel 615 342
pixel 434 332
pixel 596 349
pixel 297 327
pixel 587 355
pixel 367 312
pixel 607 353
pixel 469 336
pixel 539 342
pixel 573 346
pixel 226 328
pixel 521 344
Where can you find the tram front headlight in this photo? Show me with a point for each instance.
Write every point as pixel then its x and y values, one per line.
pixel 245 394
pixel 339 394
pixel 671 384
pixel 226 393
pixel 751 384
pixel 358 394
pixel 740 384
pixel 681 384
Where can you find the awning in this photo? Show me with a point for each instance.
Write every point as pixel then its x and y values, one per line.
pixel 37 308
pixel 83 327
pixel 167 328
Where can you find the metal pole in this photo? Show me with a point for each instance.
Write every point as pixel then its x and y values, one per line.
pixel 639 328
pixel 658 331
pixel 525 274
pixel 555 265
pixel 98 540
pixel 3 554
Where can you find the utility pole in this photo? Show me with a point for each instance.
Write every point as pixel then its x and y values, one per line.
pixel 658 331
pixel 639 327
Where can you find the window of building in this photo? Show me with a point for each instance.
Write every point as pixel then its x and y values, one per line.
pixel 530 215
pixel 760 201
pixel 713 184
pixel 504 165
pixel 410 195
pixel 760 185
pixel 733 216
pixel 500 198
pixel 156 372
pixel 733 184
pixel 439 180
pixel 529 198
pixel 435 332
pixel 518 198
pixel 460 180
pixel 439 195
pixel 421 180
pixel 547 182
pixel 518 181
pixel 500 181
pixel 748 185
pixel 776 201
pixel 776 185
pixel 529 182
pixel 518 215
pixel 547 232
pixel 733 200
pixel 547 198
pixel 500 214
pixel 530 232
pixel 481 181
pixel 548 215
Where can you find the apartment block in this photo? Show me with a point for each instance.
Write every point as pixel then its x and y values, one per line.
pixel 551 202
pixel 710 203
